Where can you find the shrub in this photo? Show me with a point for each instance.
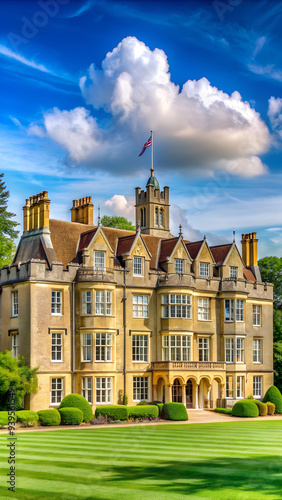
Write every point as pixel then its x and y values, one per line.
pixel 250 396
pixel 148 411
pixel 160 407
pixel 245 408
pixel 262 408
pixel 3 418
pixel 274 396
pixel 77 401
pixel 71 416
pixel 174 411
pixel 27 417
pixel 270 408
pixel 116 412
pixel 143 403
pixel 227 411
pixel 49 417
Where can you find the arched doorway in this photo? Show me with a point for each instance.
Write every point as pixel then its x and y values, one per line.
pixel 189 394
pixel 177 391
pixel 204 391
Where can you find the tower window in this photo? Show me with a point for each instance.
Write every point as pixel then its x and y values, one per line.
pixel 156 216
pixel 161 217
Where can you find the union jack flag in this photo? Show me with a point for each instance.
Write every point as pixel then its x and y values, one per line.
pixel 146 145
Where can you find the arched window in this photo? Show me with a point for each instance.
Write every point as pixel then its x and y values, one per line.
pixel 161 217
pixel 157 216
pixel 176 392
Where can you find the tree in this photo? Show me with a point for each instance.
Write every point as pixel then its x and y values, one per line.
pixel 7 227
pixel 118 222
pixel 271 272
pixel 14 374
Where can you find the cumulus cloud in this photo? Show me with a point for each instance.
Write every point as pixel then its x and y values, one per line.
pixel 196 127
pixel 119 205
pixel 275 112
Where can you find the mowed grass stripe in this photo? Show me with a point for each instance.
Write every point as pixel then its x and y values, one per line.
pixel 169 463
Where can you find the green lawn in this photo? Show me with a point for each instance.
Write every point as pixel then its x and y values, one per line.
pixel 224 461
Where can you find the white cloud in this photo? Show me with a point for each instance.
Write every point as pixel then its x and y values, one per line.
pixel 13 55
pixel 179 216
pixel 199 127
pixel 269 70
pixel 275 111
pixel 34 129
pixel 119 205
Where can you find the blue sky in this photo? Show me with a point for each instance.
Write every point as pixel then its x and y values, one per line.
pixel 84 82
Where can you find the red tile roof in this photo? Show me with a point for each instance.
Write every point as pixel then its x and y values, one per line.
pixel 220 252
pixel 124 244
pixel 193 248
pixel 167 247
pixel 248 275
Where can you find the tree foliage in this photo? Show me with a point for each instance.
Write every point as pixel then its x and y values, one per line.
pixel 118 222
pixel 7 227
pixel 15 374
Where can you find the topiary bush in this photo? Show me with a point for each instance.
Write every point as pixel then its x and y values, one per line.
pixel 27 417
pixel 274 396
pixel 49 417
pixel 270 408
pixel 262 408
pixel 143 403
pixel 116 412
pixel 160 407
pixel 227 411
pixel 148 411
pixel 245 408
pixel 174 411
pixel 71 416
pixel 77 401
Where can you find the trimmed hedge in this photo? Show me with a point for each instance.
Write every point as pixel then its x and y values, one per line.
pixel 49 417
pixel 174 411
pixel 270 408
pixel 77 401
pixel 3 418
pixel 27 417
pixel 245 408
pixel 116 412
pixel 160 407
pixel 262 407
pixel 148 411
pixel 71 416
pixel 227 411
pixel 274 396
pixel 143 403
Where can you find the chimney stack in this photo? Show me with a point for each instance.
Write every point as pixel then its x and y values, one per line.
pixel 36 211
pixel 82 211
pixel 250 249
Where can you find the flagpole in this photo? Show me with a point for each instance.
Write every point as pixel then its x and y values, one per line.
pixel 152 165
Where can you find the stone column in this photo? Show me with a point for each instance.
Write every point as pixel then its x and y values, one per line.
pixel 184 394
pixel 155 395
pixel 197 397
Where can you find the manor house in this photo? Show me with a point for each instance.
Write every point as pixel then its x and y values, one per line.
pixel 109 313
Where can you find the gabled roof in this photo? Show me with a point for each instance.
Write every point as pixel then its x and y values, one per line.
pixel 167 247
pixel 220 252
pixel 124 245
pixel 248 275
pixel 64 237
pixel 194 248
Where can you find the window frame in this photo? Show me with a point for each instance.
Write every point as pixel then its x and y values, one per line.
pixel 105 349
pixel 85 347
pixel 15 303
pixel 181 264
pixel 230 349
pixel 171 344
pixel 86 391
pixel 230 309
pixel 204 270
pixel 103 266
pixel 241 386
pixel 86 304
pixel 240 310
pixel 255 386
pixel 108 391
pixel 142 391
pixel 229 390
pixel 256 315
pixel 258 351
pixel 56 351
pixel 203 349
pixel 15 345
pixel 233 269
pixel 240 350
pixel 176 304
pixel 56 390
pixel 202 309
pixel 58 305
pixel 140 349
pixel 141 265
pixel 103 307
pixel 140 306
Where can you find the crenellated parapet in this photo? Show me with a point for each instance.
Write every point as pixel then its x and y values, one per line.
pixel 36 270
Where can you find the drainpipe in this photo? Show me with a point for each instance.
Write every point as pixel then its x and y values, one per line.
pixel 73 337
pixel 124 333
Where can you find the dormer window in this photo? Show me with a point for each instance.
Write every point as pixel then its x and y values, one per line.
pixel 100 261
pixel 233 272
pixel 138 266
pixel 204 270
pixel 179 266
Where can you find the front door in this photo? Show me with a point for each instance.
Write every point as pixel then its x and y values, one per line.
pixel 189 394
pixel 176 392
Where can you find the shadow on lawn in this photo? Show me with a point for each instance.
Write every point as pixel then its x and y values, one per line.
pixel 258 474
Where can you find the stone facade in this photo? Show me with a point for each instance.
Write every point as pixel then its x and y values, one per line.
pixel 106 313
